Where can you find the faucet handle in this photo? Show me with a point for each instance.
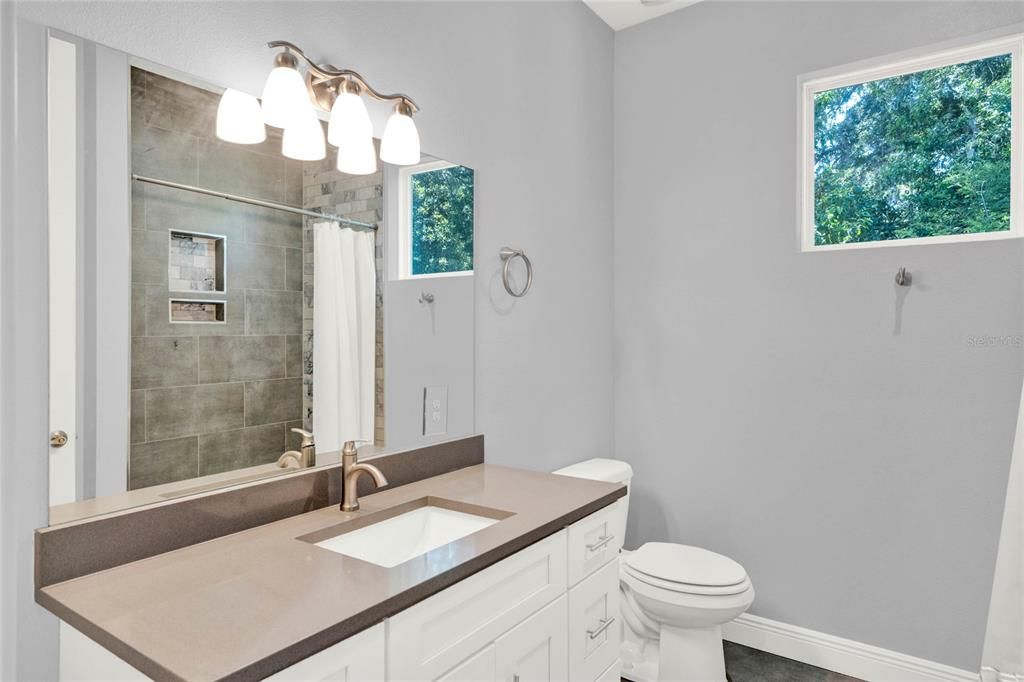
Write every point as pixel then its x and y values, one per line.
pixel 307 437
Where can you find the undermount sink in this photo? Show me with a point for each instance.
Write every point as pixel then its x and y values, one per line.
pixel 394 536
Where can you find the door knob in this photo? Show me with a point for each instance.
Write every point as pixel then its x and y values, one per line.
pixel 58 439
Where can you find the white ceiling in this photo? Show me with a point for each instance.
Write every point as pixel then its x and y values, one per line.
pixel 620 14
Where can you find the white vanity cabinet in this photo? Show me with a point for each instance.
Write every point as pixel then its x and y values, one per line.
pixel 481 629
pixel 594 627
pixel 537 649
pixel 435 636
pixel 360 658
pixel 547 613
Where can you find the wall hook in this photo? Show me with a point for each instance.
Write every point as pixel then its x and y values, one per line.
pixel 903 278
pixel 426 297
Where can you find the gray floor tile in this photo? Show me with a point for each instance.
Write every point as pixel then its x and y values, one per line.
pixel 750 665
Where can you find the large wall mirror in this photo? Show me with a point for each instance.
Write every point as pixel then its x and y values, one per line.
pixel 212 301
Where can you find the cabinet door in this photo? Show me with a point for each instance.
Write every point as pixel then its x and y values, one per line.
pixel 536 650
pixel 360 658
pixel 477 668
pixel 595 635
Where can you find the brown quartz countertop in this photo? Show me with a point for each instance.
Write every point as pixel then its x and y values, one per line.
pixel 244 606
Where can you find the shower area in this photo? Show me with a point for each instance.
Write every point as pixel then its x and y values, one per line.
pixel 222 291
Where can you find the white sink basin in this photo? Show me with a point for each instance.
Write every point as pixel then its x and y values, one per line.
pixel 400 538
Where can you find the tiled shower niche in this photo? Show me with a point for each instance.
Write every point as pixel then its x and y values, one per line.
pixel 197 311
pixel 196 262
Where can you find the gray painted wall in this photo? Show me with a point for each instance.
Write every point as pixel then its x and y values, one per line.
pixel 518 91
pixel 839 437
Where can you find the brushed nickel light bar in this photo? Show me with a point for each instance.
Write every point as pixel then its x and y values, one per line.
pixel 324 81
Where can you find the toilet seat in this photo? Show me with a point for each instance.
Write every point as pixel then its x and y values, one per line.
pixel 685 569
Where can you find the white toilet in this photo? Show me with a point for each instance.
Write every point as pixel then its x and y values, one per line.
pixel 674 599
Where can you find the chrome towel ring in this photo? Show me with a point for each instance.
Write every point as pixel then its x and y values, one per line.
pixel 507 254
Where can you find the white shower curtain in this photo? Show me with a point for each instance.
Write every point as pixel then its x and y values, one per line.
pixel 1003 656
pixel 344 301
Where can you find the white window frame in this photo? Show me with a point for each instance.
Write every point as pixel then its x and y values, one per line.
pixel 811 84
pixel 404 236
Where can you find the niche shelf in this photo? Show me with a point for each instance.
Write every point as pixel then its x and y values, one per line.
pixel 197 311
pixel 196 262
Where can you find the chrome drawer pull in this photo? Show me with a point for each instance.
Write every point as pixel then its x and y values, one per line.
pixel 605 623
pixel 601 542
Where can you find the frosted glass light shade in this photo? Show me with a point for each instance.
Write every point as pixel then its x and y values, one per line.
pixel 284 97
pixel 239 118
pixel 401 142
pixel 357 157
pixel 304 140
pixel 350 122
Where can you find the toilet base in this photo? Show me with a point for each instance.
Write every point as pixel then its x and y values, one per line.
pixel 657 652
pixel 691 655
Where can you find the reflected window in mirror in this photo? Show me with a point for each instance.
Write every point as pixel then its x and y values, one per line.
pixel 436 220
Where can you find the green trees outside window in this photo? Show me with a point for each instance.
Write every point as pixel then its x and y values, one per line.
pixel 918 155
pixel 442 220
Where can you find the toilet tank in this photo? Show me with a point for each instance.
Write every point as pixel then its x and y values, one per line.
pixel 609 470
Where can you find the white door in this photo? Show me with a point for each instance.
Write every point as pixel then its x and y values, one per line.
pixel 62 201
pixel 536 650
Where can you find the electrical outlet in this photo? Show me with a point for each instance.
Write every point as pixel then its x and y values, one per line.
pixel 435 410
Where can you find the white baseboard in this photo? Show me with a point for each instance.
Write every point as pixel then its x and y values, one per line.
pixel 837 654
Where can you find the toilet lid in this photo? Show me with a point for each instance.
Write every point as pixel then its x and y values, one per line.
pixel 685 564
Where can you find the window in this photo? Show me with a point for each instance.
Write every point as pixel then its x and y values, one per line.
pixel 922 151
pixel 436 226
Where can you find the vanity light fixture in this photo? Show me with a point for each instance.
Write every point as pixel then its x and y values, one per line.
pixel 239 118
pixel 303 139
pixel 351 131
pixel 284 95
pixel 290 102
pixel 401 142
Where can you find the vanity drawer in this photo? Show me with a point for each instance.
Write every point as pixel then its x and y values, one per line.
pixel 432 637
pixel 594 541
pixel 479 668
pixel 594 624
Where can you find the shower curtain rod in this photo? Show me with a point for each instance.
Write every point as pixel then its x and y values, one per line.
pixel 255 202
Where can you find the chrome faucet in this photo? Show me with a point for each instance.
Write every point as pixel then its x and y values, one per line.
pixel 351 469
pixel 305 456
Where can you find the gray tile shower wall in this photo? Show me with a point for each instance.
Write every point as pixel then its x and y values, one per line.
pixel 211 397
